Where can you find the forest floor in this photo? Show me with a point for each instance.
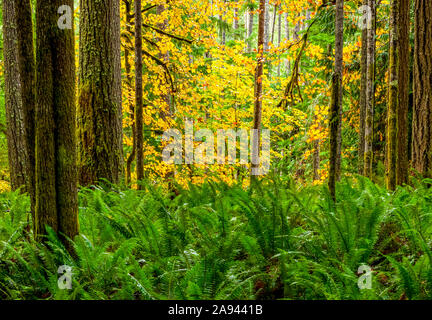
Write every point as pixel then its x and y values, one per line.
pixel 276 240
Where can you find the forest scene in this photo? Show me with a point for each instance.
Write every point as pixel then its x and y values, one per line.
pixel 216 150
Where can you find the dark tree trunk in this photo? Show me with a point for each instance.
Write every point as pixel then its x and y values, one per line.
pixel 129 85
pixel 393 101
pixel 28 77
pixel 139 93
pixel 404 85
pixel 363 88
pixel 422 117
pixel 336 102
pixel 99 107
pixel 17 152
pixel 370 93
pixel 56 174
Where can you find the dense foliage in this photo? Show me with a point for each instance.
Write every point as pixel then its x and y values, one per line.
pixel 276 240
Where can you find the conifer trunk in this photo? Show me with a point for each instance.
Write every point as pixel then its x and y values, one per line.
pixel 422 115
pixel 99 107
pixel 393 102
pixel 56 174
pixel 404 85
pixel 16 137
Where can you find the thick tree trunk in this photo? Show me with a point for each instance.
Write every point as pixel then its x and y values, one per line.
pixel 99 112
pixel 336 102
pixel 139 93
pixel 393 102
pixel 370 93
pixel 422 117
pixel 404 85
pixel 56 174
pixel 16 135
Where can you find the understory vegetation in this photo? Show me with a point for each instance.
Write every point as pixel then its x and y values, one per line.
pixel 274 240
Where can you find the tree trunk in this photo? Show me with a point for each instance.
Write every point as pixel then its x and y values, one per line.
pixel 363 89
pixel 16 137
pixel 56 174
pixel 392 109
pixel 99 111
pixel 139 93
pixel 28 77
pixel 267 26
pixel 422 117
pixel 336 102
pixel 404 85
pixel 370 93
pixel 258 80
pixel 128 67
pixel 250 30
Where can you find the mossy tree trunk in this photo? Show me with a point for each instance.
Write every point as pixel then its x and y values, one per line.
pixel 393 101
pixel 363 88
pixel 99 107
pixel 336 102
pixel 17 152
pixel 139 93
pixel 370 92
pixel 422 117
pixel 404 85
pixel 27 72
pixel 56 173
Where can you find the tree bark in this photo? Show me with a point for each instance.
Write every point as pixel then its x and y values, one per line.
pixel 56 174
pixel 404 85
pixel 128 67
pixel 393 102
pixel 370 93
pixel 28 81
pixel 16 135
pixel 258 78
pixel 422 117
pixel 336 102
pixel 99 112
pixel 363 89
pixel 139 93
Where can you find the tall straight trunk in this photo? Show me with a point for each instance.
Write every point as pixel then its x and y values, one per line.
pixel 422 117
pixel 363 89
pixel 336 101
pixel 267 26
pixel 26 64
pixel 279 40
pixel 250 30
pixel 56 174
pixel 99 107
pixel 393 102
pixel 258 78
pixel 139 93
pixel 17 152
pixel 236 21
pixel 129 81
pixel 404 84
pixel 370 93
pixel 287 36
